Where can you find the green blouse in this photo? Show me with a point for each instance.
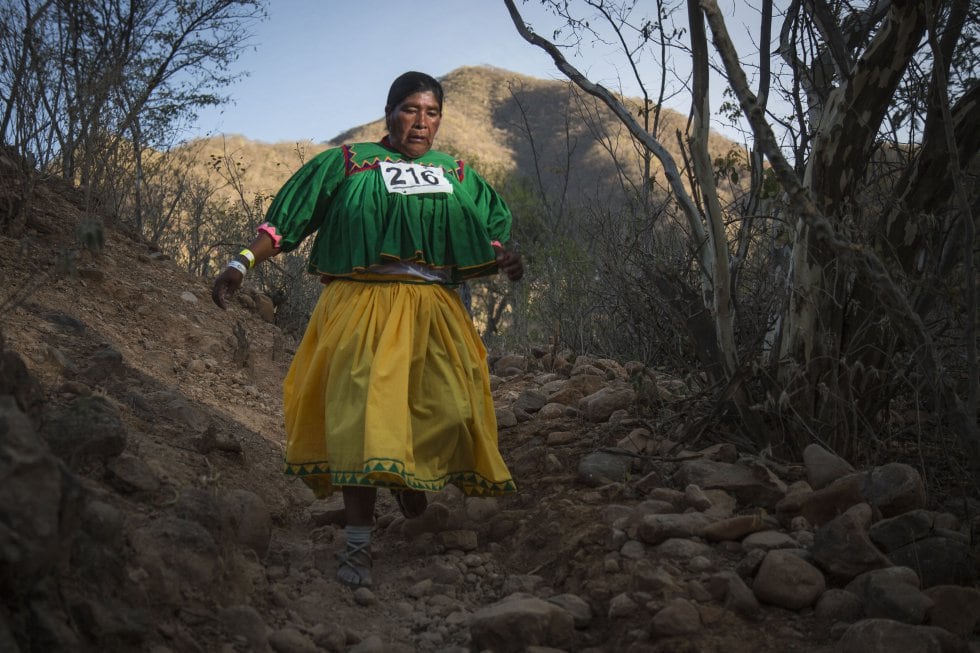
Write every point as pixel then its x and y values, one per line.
pixel 342 196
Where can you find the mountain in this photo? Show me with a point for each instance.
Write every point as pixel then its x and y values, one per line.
pixel 501 122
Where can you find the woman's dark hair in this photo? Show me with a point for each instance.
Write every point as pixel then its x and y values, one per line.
pixel 410 83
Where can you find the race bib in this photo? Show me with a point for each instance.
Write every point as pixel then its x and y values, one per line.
pixel 412 178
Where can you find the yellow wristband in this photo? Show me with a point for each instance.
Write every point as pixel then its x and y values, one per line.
pixel 247 253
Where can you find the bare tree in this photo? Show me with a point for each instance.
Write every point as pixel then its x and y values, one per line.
pixel 872 151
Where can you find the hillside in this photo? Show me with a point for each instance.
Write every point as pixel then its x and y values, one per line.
pixel 142 505
pixel 488 116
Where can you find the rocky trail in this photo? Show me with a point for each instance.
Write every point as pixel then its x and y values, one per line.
pixel 142 506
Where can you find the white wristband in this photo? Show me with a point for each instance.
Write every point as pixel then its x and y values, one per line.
pixel 238 265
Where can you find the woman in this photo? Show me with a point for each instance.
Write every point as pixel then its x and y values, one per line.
pixel 389 387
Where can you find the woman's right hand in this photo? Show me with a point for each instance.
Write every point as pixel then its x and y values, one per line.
pixel 225 285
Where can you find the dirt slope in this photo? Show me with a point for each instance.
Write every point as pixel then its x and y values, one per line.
pixel 158 557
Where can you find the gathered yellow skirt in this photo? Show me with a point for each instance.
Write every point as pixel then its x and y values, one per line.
pixel 390 388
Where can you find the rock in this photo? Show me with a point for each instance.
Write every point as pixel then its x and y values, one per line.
pixel 505 417
pixel 823 467
pixel 839 605
pixel 175 553
pixel 513 624
pixel 622 606
pixel 461 540
pixel 768 540
pixel 886 636
pixel 600 405
pixel 86 433
pixel 683 548
pixel 249 518
pixel 510 361
pixel 291 640
pixel 729 587
pixel 827 503
pixel 891 593
pixel 733 528
pixel 902 530
pixel 130 474
pixel 601 468
pixel 655 529
pixel 39 503
pixel 787 581
pixel 842 547
pixel 678 617
pixel 938 561
pixel 893 489
pixel 576 388
pixel 552 410
pixel 696 498
pixel 576 606
pixel 751 487
pixel 244 621
pixel 955 608
pixel 530 401
pixel 265 308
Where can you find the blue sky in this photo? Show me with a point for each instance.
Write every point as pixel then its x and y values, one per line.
pixel 320 67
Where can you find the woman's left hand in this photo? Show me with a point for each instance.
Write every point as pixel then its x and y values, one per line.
pixel 510 264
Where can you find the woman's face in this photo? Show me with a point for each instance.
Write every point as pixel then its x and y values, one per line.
pixel 413 123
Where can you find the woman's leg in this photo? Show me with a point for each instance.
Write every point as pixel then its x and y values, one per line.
pixel 356 561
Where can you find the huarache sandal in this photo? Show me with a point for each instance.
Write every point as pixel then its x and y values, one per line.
pixel 355 566
pixel 412 503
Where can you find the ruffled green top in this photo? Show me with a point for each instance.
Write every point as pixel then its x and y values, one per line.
pixel 341 196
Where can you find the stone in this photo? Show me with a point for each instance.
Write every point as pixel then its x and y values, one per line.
pixel 249 518
pixel 246 622
pixel 86 433
pixel 683 548
pixel 768 540
pixel 462 540
pixel 511 625
pixel 787 581
pixel 622 606
pixel 938 561
pixel 505 417
pixel 728 587
pixel 954 608
pixel 655 529
pixel 510 361
pixel 733 528
pixel 39 502
pixel 291 640
pixel 530 401
pixel 893 489
pixel 891 593
pixel 600 405
pixel 678 617
pixel 895 532
pixel 823 467
pixel 576 388
pixel 827 503
pixel 839 605
pixel 885 636
pixel 265 307
pixel 696 498
pixel 175 553
pixel 751 487
pixel 601 468
pixel 576 606
pixel 843 548
pixel 130 474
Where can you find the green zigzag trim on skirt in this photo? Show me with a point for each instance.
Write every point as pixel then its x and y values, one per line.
pixel 379 472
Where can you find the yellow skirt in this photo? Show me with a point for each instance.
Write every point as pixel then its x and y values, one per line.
pixel 390 388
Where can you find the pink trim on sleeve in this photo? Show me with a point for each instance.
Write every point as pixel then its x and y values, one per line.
pixel 270 231
pixel 496 243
